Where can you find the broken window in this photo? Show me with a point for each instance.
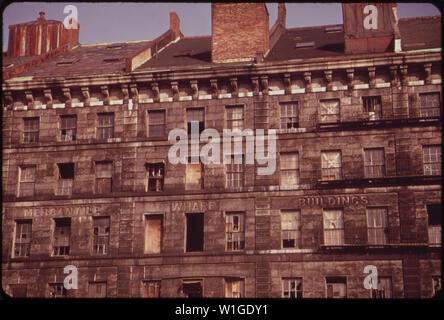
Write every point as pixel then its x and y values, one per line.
pixel 97 289
pixel 68 126
pixel 374 163
pixel 155 176
pixel 291 229
pixel 333 227
pixel 330 111
pixel 156 123
pixel 430 104
pixel 66 179
pixel 432 160
pixel 336 287
pixel 196 115
pixel 235 171
pixel 57 290
pixel 377 225
pixel 31 130
pixel 22 243
pixel 436 285
pixel 289 115
pixel 292 288
pixel 153 233
pixel 27 181
pixel 234 288
pixel 194 174
pixel 372 107
pixel 235 233
pixel 384 290
pixel 289 169
pixel 235 117
pixel 104 176
pixel 151 289
pixel 434 222
pixel 62 233
pixel 195 232
pixel 105 128
pixel 101 235
pixel 331 165
pixel 192 288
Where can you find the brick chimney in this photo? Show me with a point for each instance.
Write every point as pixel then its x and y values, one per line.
pixel 39 37
pixel 239 31
pixel 370 27
pixel 175 24
pixel 282 14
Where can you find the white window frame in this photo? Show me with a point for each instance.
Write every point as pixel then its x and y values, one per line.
pixel 234 233
pixel 377 226
pixel 333 228
pixel 291 228
pixel 292 286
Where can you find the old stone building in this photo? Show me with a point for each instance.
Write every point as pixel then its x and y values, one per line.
pixel 87 181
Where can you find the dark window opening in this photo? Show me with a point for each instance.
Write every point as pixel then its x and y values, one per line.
pixel 372 107
pixel 195 232
pixel 155 173
pixel 66 178
pixel 196 116
pixel 192 289
pixel 61 236
pixel 101 235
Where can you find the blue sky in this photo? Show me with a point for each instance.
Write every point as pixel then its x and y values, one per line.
pixel 107 22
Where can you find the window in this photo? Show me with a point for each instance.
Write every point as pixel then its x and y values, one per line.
pixel 31 132
pixel 195 232
pixel 235 117
pixel 235 172
pixel 434 223
pixel 105 129
pixel 333 227
pixel 372 107
pixel 97 289
pixel 234 288
pixel 101 235
pixel 62 232
pixel 432 160
pixel 19 290
pixel 68 128
pixel 104 176
pixel 377 225
pixel 151 289
pixel 336 287
pixel 192 288
pixel 156 123
pixel 291 229
pixel 66 179
pixel 27 181
pixel 384 290
pixel 234 229
pixel 289 115
pixel 196 115
pixel 289 169
pixel 331 165
pixel 22 242
pixel 330 111
pixel 153 233
pixel 374 163
pixel 194 174
pixel 155 175
pixel 436 285
pixel 430 104
pixel 292 288
pixel 57 290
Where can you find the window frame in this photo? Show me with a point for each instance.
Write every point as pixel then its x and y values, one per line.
pixel 147 217
pixel 31 129
pixel 232 170
pixel 293 118
pixel 188 242
pixel 191 113
pixel 103 175
pixel 333 280
pixel 288 171
pixel 158 178
pixel 422 110
pixel 66 124
pixel 150 132
pixel 103 126
pixel 370 107
pixel 339 230
pixel 230 121
pixel 383 227
pixel 64 223
pixel 147 286
pixel 297 231
pixel 298 293
pixel 57 286
pixel 323 105
pixel 25 182
pixel 237 236
pixel 17 240
pixel 326 171
pixel 98 236
pixel 373 164
pixel 65 185
pixel 231 282
pixel 437 163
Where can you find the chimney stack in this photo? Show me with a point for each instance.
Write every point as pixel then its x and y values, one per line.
pixel 175 24
pixel 282 14
pixel 239 31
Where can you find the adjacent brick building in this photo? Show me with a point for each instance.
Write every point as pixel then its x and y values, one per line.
pixel 87 181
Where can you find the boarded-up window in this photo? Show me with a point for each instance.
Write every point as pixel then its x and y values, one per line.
pixel 101 235
pixel 289 115
pixel 105 128
pixel 434 222
pixel 336 287
pixel 31 130
pixel 19 290
pixel 192 288
pixel 292 288
pixel 291 229
pixel 151 289
pixel 234 171
pixel 377 225
pixel 66 178
pixel 331 165
pixel 62 233
pixel 235 232
pixel 57 290
pixel 372 107
pixel 195 232
pixel 27 181
pixel 97 289
pixel 104 176
pixel 374 162
pixel 384 290
pixel 68 126
pixel 330 111
pixel 289 169
pixel 235 117
pixel 23 234
pixel 430 104
pixel 153 233
pixel 234 288
pixel 432 160
pixel 156 123
pixel 155 176
pixel 194 174
pixel 196 115
pixel 333 227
